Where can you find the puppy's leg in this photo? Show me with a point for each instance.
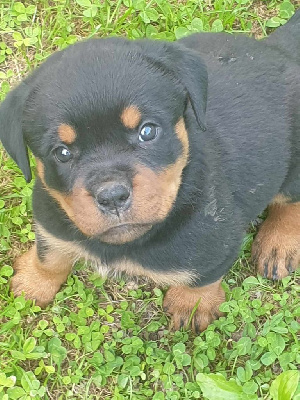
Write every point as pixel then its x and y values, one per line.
pixel 276 249
pixel 180 301
pixel 40 276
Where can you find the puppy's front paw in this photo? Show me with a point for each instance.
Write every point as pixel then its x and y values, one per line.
pixel 276 248
pixel 34 280
pixel 275 260
pixel 180 301
pixel 42 291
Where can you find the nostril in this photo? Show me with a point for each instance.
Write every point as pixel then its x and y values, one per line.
pixel 113 195
pixel 119 193
pixel 124 197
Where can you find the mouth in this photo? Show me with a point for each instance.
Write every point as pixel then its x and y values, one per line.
pixel 124 233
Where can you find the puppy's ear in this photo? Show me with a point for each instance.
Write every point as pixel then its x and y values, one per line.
pixel 187 66
pixel 11 133
pixel 11 114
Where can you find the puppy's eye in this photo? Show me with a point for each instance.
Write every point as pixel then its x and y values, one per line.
pixel 62 154
pixel 148 132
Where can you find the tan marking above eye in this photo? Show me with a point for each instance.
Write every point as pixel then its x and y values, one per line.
pixel 131 117
pixel 66 133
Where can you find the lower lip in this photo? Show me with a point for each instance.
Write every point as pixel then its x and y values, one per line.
pixel 123 228
pixel 124 233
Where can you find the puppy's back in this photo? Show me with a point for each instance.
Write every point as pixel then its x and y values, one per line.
pixel 287 38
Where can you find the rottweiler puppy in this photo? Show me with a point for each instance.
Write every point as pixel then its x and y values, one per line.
pixel 153 157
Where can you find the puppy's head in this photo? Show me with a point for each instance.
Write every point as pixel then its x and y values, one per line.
pixel 105 120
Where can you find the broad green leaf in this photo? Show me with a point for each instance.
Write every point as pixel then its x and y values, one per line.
pixel 279 329
pixel 22 17
pixel 153 326
pixel 6 270
pixel 148 15
pixel 109 356
pixel 159 396
pixel 43 324
pixel 122 380
pixel 251 280
pixel 250 387
pixel 135 371
pixel 49 369
pixel 29 382
pixel 243 346
pixel 151 31
pixel 186 360
pixel 197 25
pixel 31 9
pixel 15 393
pixel 70 336
pixel 17 355
pixel 287 9
pixel 90 12
pixel 216 387
pixel 273 22
pixel 152 14
pixel 19 7
pixel 276 343
pixel 57 351
pixel 29 345
pixel 200 361
pixel 139 4
pixel 169 368
pixel 285 385
pixel 181 32
pixel 244 374
pixel 240 373
pixel 211 353
pixel 20 302
pixel 35 355
pixel 268 358
pixel 17 36
pixel 2 379
pixel 217 26
pixel 179 348
pixel 66 380
pixel 7 381
pixel 17 221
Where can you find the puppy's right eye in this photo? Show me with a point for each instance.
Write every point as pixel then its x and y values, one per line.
pixel 62 154
pixel 148 132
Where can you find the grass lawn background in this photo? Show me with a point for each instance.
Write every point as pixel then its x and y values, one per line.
pixel 105 339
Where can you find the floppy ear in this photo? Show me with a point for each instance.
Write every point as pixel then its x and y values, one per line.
pixel 187 66
pixel 11 134
pixel 11 115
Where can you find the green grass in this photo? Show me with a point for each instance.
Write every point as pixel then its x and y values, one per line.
pixel 110 339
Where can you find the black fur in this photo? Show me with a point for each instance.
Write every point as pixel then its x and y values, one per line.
pixel 242 153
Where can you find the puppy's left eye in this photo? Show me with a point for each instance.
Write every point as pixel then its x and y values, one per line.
pixel 62 154
pixel 148 132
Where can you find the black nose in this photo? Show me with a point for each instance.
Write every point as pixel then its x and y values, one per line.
pixel 113 196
